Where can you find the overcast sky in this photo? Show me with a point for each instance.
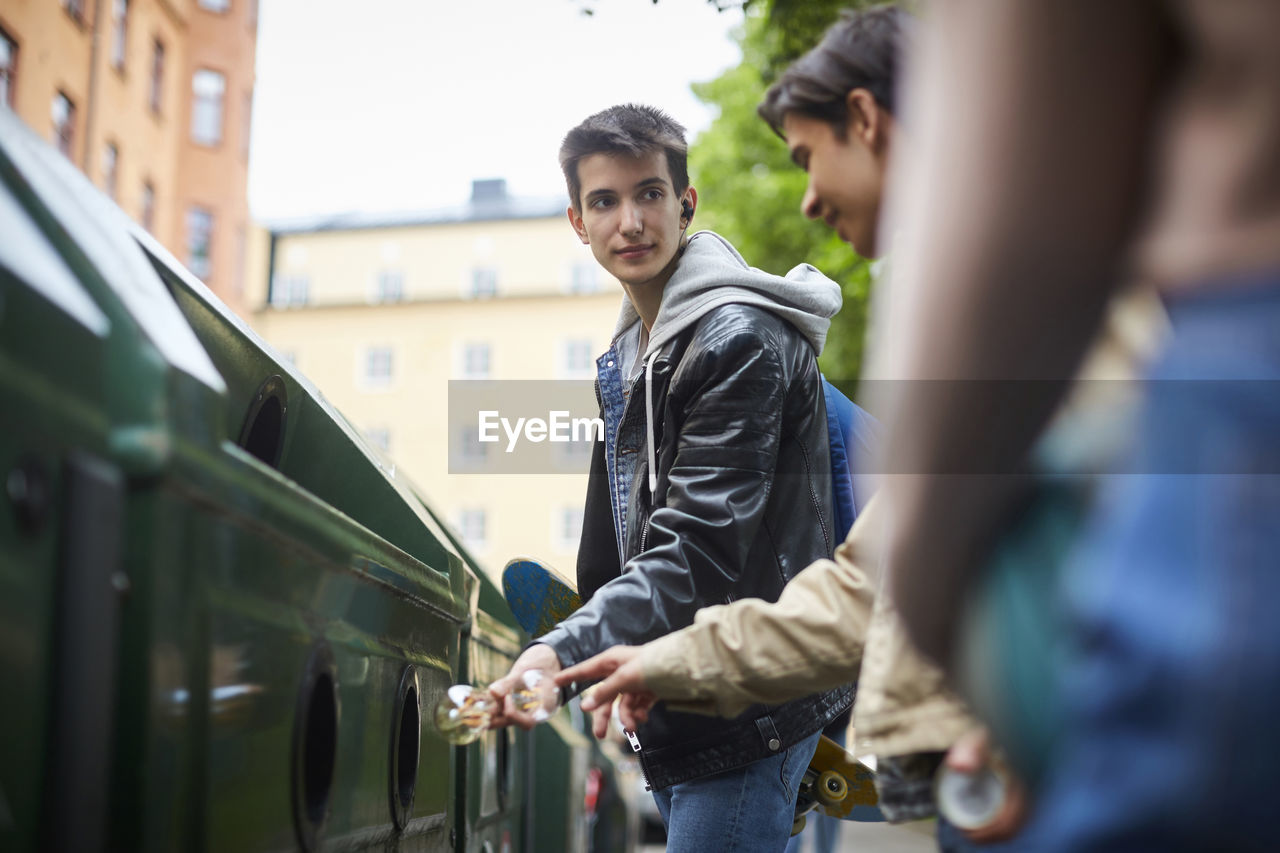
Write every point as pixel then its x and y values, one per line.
pixel 398 104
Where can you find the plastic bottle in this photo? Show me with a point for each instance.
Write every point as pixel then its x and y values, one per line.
pixel 465 712
pixel 969 800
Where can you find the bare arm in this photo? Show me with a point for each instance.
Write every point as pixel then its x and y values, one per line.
pixel 1028 127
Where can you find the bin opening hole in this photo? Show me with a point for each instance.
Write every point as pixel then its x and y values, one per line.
pixel 407 749
pixel 262 433
pixel 319 748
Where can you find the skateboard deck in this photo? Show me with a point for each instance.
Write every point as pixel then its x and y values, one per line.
pixel 538 595
pixel 838 785
pixel 836 782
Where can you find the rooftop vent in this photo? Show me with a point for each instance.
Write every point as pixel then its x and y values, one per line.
pixel 488 190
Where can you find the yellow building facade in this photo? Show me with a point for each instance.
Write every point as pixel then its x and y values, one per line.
pixel 382 313
pixel 152 100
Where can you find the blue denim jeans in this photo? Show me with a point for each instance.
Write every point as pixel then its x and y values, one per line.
pixel 1171 687
pixel 823 829
pixel 748 810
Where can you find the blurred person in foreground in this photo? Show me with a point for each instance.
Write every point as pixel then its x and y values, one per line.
pixel 834 108
pixel 714 479
pixel 1092 142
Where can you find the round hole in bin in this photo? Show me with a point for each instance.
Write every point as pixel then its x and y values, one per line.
pixel 405 735
pixel 320 747
pixel 315 746
pixel 262 433
pixel 408 751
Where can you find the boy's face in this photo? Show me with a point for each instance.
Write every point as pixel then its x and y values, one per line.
pixel 845 179
pixel 630 215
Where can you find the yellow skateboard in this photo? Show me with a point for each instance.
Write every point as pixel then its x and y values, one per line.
pixel 837 784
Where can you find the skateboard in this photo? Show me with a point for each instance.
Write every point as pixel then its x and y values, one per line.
pixel 838 785
pixel 835 782
pixel 538 595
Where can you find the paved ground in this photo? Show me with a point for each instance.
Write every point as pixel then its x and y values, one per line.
pixel 884 838
pixel 871 838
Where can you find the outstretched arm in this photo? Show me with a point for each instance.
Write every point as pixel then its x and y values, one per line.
pixel 752 651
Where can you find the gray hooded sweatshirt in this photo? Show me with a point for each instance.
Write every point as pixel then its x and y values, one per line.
pixel 711 273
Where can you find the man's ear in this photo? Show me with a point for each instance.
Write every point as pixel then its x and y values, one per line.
pixel 866 120
pixel 692 196
pixel 576 222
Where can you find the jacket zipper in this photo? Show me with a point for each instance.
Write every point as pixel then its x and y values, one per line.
pixel 632 738
pixel 635 747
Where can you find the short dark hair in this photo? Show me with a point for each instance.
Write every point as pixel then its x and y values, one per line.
pixel 633 129
pixel 860 51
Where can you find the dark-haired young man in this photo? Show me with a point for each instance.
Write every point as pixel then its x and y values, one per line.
pixel 713 482
pixel 835 109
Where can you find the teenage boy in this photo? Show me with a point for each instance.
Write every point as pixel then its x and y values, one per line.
pixel 834 108
pixel 713 482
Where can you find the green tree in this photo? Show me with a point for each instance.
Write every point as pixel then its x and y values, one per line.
pixel 751 189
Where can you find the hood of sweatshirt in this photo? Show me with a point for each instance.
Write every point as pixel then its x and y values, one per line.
pixel 711 273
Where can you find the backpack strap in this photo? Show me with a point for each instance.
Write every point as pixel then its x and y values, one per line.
pixel 850 431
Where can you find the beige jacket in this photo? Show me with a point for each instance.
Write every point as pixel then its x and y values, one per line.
pixel 751 651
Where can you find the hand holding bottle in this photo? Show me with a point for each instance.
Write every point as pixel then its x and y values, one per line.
pixel 978 793
pixel 466 712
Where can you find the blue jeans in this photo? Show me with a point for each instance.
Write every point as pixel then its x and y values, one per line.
pixel 739 811
pixel 822 828
pixel 1171 688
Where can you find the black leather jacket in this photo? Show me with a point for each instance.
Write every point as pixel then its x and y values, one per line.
pixel 743 503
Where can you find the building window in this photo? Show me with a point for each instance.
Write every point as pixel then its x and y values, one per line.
pixel 148 206
pixel 8 68
pixel 207 89
pixel 199 241
pixel 484 283
pixel 119 32
pixel 218 6
pixel 475 361
pixel 75 8
pixel 157 75
pixel 566 530
pixel 388 286
pixel 584 277
pixel 473 527
pixel 291 289
pixel 64 123
pixel 378 366
pixel 575 456
pixel 379 437
pixel 472 452
pixel 576 361
pixel 110 160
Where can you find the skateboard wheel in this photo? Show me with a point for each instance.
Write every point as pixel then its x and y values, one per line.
pixel 797 825
pixel 831 788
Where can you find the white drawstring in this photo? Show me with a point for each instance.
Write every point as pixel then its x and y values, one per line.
pixel 648 421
